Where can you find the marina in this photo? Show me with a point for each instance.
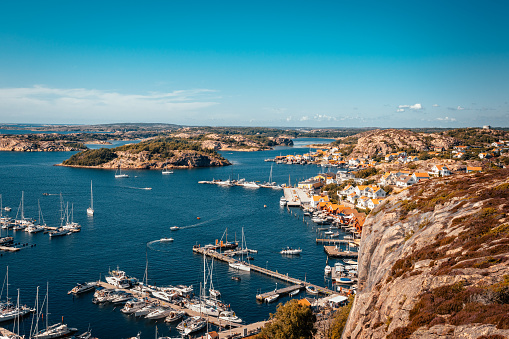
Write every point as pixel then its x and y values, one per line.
pixel 126 222
pixel 334 252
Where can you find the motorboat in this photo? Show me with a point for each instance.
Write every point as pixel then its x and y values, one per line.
pixel 59 232
pixel 159 313
pixel 214 293
pixel 165 295
pixel 145 310
pixel 329 232
pixel 34 229
pixel 120 297
pixel 311 289
pixel 282 201
pixel 203 308
pixel 174 228
pixel 241 266
pixel 90 210
pixel 350 262
pixel 118 279
pixel 272 298
pixel 174 316
pixel 133 305
pixel 229 316
pixel 166 239
pixel 82 288
pixel 192 324
pixel 291 251
pixel 294 293
pixel 237 278
pixel 328 269
pixel 344 280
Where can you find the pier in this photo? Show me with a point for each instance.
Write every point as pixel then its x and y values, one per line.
pixel 333 252
pixel 277 275
pixel 243 330
pixel 6 333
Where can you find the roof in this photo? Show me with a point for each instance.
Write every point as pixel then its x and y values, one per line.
pixel 376 201
pixel 338 299
pixel 304 302
pixel 474 168
pixel 421 175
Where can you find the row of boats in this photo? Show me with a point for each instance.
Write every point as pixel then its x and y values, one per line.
pixel 241 182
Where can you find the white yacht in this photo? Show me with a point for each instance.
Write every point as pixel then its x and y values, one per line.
pixel 282 201
pixel 328 269
pixel 192 324
pixel 174 316
pixel 272 298
pixel 82 288
pixel 229 316
pixel 118 279
pixel 133 305
pixel 241 265
pixel 165 170
pixel 291 251
pixel 159 313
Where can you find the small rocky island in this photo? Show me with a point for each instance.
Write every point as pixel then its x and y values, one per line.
pixel 151 154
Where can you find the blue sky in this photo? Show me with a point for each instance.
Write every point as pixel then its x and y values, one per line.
pixel 278 63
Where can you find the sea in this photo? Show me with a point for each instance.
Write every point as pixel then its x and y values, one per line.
pixel 129 221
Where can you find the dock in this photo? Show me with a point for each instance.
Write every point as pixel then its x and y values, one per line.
pixel 333 241
pixel 333 252
pixel 261 270
pixel 296 197
pixel 244 330
pixel 282 291
pixel 213 320
pixel 6 333
pixel 9 249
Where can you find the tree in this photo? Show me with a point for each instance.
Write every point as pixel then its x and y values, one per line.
pixel 291 321
pixel 340 318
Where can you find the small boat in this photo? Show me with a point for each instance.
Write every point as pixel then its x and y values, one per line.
pixel 291 251
pixel 165 170
pixel 133 305
pixel 57 330
pixel 82 288
pixel 145 310
pixel 272 298
pixel 166 239
pixel 191 325
pixel 90 210
pixel 59 232
pixel 350 261
pixel 294 293
pixel 215 293
pixel 282 201
pixel 311 289
pixel 174 316
pixel 174 228
pixel 328 269
pixel 328 233
pixel 344 280
pixel 236 278
pixel 7 209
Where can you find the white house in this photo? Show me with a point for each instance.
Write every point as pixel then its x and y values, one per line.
pixel 405 181
pixel 418 177
pixel 440 171
pixel 372 203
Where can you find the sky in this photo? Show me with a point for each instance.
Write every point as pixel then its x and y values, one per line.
pixel 390 64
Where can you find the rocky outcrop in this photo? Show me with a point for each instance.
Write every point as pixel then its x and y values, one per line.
pixel 434 262
pixel 22 144
pixel 372 143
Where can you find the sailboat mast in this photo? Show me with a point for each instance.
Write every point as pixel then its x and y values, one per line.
pixel 91 196
pixel 22 206
pixel 47 302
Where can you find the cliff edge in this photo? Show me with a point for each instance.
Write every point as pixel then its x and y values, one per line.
pixel 434 262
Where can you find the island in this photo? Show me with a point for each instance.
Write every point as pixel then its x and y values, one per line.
pixel 150 154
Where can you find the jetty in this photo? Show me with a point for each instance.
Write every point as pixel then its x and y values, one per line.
pixel 6 333
pixel 211 319
pixel 242 331
pixel 296 197
pixel 284 277
pixel 334 252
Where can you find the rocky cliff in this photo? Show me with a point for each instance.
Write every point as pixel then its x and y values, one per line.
pixel 23 144
pixel 434 262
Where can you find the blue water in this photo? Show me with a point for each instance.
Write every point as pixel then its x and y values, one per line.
pixel 127 218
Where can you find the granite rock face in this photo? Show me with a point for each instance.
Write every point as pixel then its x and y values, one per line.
pixel 411 246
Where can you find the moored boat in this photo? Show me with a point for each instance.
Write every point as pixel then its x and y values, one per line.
pixel 311 289
pixel 82 288
pixel 272 298
pixel 291 251
pixel 174 316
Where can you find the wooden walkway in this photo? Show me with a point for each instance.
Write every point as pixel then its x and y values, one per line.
pixel 277 275
pixel 213 320
pixel 333 252
pixel 6 333
pixel 243 331
pixel 333 241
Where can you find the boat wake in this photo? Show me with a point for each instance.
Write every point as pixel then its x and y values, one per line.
pixel 199 224
pixel 140 188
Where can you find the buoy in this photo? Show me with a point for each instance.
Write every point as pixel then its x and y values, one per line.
pixel 264 206
pixel 198 218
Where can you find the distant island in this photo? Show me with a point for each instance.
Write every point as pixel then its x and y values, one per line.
pixel 151 154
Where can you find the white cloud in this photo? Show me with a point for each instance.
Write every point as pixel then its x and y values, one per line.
pixel 304 118
pixel 446 119
pixel 289 118
pixel 322 117
pixel 413 107
pixel 278 110
pixel 436 105
pixel 459 108
pixel 56 104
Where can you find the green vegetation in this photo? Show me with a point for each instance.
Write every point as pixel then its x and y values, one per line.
pixel 367 172
pixel 291 321
pixel 91 157
pixel 340 318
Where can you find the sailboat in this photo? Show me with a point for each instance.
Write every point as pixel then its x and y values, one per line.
pixel 166 170
pixel 60 230
pixel 241 265
pixel 9 311
pixel 22 222
pixel 118 173
pixel 90 210
pixel 213 292
pixel 37 228
pixel 57 330
pixel 270 183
